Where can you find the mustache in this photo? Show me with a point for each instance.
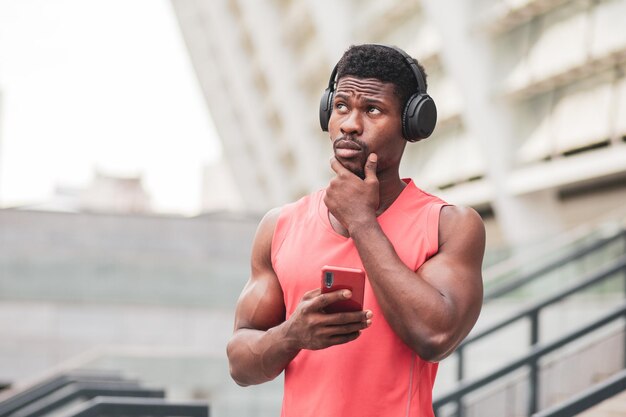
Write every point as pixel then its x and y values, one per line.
pixel 351 138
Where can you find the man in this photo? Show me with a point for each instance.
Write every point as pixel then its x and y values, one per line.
pixel 422 258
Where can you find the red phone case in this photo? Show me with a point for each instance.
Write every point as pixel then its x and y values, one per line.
pixel 344 278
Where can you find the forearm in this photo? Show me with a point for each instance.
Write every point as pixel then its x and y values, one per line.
pixel 419 313
pixel 257 356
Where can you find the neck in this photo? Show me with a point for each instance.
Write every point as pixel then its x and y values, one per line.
pixel 389 189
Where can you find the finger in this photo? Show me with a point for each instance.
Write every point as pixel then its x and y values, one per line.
pixel 335 165
pixel 370 166
pixel 330 297
pixel 344 329
pixel 347 317
pixel 335 340
pixel 343 338
pixel 311 294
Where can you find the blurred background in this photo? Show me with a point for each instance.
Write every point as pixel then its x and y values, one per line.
pixel 141 141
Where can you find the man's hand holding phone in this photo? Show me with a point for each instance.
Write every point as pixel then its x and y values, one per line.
pixel 312 326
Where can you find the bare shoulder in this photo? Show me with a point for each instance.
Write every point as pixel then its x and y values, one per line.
pixel 261 305
pixel 459 216
pixel 462 226
pixel 265 229
pixel 270 219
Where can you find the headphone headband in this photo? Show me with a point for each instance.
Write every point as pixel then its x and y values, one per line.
pixel 419 77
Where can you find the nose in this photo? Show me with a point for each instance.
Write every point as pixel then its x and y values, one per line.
pixel 352 123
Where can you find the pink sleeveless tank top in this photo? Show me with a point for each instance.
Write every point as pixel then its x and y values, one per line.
pixel 376 374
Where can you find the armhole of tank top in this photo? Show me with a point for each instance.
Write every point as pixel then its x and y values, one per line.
pixel 283 224
pixel 432 233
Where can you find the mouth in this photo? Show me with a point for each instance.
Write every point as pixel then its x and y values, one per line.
pixel 347 149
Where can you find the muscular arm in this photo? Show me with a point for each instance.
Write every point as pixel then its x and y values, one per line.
pixel 259 349
pixel 432 309
pixel 263 342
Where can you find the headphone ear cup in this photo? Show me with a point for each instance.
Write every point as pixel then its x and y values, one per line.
pixel 419 117
pixel 326 108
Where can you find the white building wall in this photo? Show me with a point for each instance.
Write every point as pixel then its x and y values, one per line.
pixel 1 129
pixel 531 97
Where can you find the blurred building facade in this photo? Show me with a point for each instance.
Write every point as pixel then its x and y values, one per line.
pixel 105 194
pixel 531 97
pixel 116 195
pixel 217 189
pixel 1 147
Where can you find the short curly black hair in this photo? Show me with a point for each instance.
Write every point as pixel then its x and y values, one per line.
pixel 382 63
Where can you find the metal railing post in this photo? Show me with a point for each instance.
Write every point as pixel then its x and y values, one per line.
pixel 534 327
pixel 459 376
pixel 460 412
pixel 624 270
pixel 460 364
pixel 533 380
pixel 533 393
pixel 624 341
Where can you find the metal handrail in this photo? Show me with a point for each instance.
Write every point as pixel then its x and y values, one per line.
pixel 532 311
pixel 611 224
pixel 136 407
pixel 529 359
pixel 604 273
pixel 589 398
pixel 513 284
pixel 14 399
pixel 84 390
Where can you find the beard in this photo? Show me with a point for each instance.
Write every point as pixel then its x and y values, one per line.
pixel 356 163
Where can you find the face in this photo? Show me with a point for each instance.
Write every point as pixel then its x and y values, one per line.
pixel 366 118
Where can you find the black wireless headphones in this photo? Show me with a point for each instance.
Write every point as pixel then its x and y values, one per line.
pixel 420 113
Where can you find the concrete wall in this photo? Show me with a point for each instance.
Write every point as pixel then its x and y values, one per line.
pixel 73 282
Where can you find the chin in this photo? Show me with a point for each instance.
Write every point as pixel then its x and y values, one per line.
pixel 356 167
pixel 359 171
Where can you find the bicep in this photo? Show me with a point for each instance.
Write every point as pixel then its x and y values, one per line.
pixel 261 304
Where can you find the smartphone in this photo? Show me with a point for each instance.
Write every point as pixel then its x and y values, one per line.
pixel 340 278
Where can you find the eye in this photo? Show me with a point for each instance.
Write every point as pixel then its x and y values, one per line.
pixel 373 110
pixel 340 106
